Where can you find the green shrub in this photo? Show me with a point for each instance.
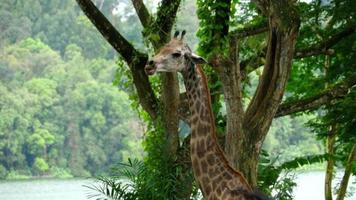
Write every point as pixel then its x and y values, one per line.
pixel 40 166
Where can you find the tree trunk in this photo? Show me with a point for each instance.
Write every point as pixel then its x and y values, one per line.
pixel 230 77
pixel 345 179
pixel 246 160
pixel 330 141
pixel 186 177
pixel 170 101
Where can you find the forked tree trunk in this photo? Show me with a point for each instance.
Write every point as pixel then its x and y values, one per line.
pixel 247 131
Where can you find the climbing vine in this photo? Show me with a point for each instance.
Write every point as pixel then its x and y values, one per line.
pixel 214 21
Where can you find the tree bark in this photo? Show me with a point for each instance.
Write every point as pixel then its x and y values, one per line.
pixel 170 103
pixel 230 77
pixel 345 179
pixel 142 12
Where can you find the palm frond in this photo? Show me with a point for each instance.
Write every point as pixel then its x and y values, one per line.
pixel 121 185
pixel 108 188
pixel 129 171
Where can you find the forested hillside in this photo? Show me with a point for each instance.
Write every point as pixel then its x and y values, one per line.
pixel 61 115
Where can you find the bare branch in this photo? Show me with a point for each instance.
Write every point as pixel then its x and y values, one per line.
pixel 116 40
pixel 310 103
pixel 252 63
pixel 324 46
pixel 142 12
pixel 249 31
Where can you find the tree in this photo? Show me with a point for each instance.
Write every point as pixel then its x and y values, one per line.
pixel 40 166
pixel 226 42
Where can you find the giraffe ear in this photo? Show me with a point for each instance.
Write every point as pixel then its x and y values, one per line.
pixel 182 35
pixel 197 59
pixel 176 34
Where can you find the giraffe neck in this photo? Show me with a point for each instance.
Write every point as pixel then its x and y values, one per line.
pixel 210 166
pixel 202 120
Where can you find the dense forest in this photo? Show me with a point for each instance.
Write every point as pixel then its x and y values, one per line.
pixel 71 101
pixel 60 113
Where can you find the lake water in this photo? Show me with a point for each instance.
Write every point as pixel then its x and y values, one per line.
pixel 310 187
pixel 45 189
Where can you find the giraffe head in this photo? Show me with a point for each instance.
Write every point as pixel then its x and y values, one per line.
pixel 173 57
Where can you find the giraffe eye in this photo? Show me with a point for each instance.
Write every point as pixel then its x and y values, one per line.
pixel 176 55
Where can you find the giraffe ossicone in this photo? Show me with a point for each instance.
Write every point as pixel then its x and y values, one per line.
pixel 216 178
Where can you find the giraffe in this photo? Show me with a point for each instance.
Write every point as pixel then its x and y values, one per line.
pixel 216 178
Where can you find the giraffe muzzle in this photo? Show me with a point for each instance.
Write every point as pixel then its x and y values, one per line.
pixel 150 68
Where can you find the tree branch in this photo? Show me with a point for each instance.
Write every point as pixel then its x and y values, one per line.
pixel 135 59
pixel 166 16
pixel 116 40
pixel 324 46
pixel 252 63
pixel 310 103
pixel 249 31
pixel 142 12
